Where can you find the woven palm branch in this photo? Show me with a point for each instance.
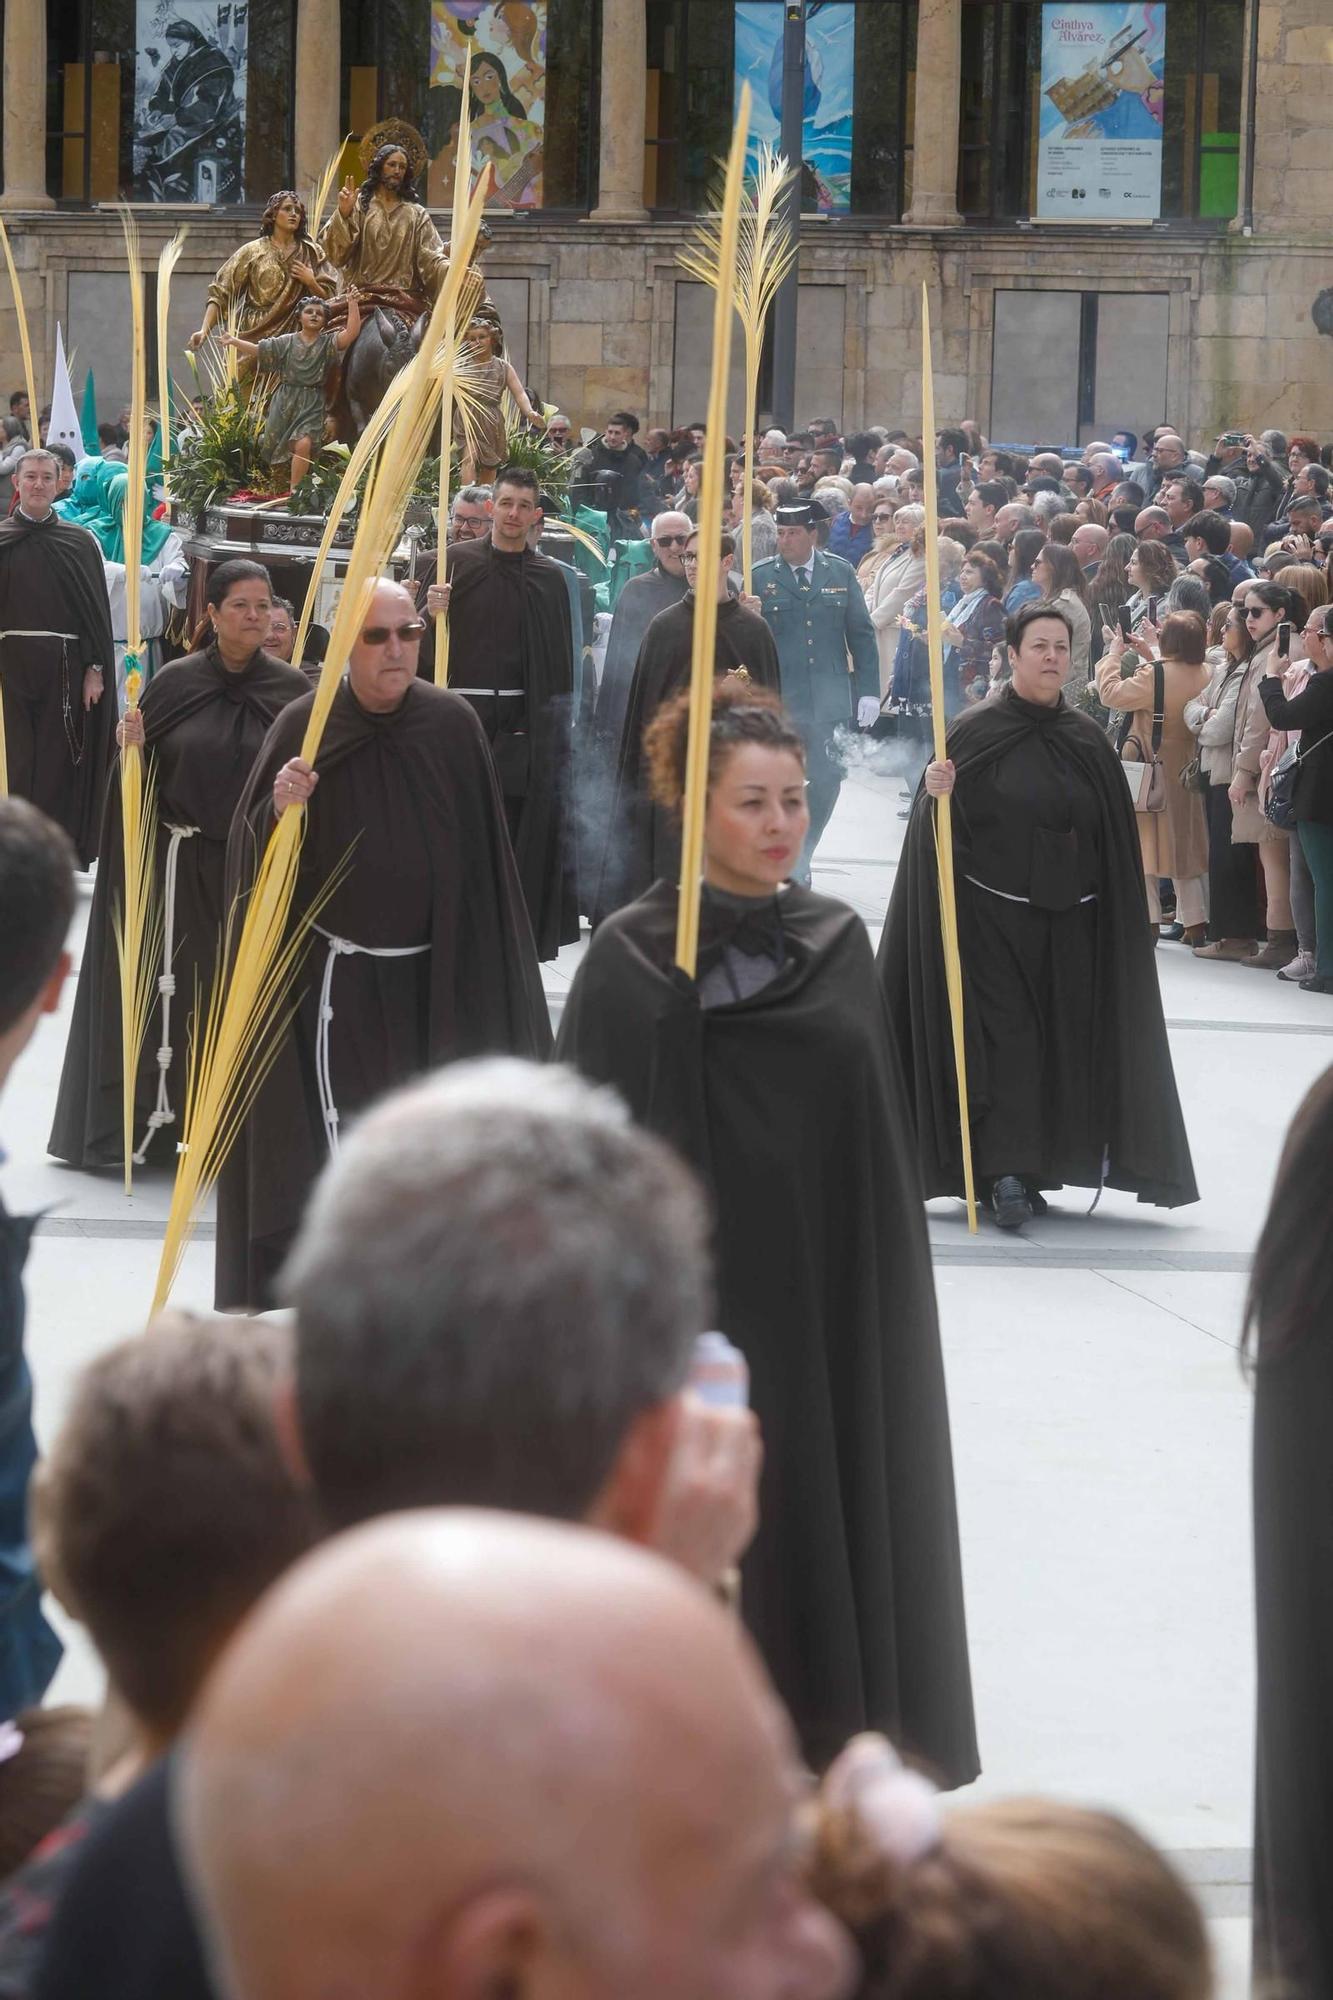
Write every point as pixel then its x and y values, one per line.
pixel 765 254
pixel 462 187
pixel 29 378
pixel 138 924
pixel 710 511
pixel 167 261
pixel 239 1038
pixel 319 196
pixel 942 822
pixel 30 381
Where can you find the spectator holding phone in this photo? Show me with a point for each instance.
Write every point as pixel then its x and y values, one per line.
pixel 1266 606
pixel 1311 712
pixel 1259 487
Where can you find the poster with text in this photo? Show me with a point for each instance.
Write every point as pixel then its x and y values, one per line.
pixel 830 39
pixel 1100 150
pixel 508 44
pixel 189 100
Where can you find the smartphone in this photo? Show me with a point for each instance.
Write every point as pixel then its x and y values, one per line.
pixel 1152 610
pixel 1232 438
pixel 1284 640
pixel 1126 622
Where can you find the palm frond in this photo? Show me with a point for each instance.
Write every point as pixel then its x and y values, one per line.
pixel 237 1041
pixel 462 183
pixel 138 926
pixel 29 378
pixel 765 253
pixel 168 259
pixel 323 189
pixel 710 509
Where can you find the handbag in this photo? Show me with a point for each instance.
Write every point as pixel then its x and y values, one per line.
pixel 1280 805
pixel 1193 776
pixel 1145 773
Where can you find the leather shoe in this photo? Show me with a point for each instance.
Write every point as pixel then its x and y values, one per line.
pixel 1009 1202
pixel 1317 985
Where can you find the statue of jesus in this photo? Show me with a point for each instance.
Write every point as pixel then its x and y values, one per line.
pixel 381 238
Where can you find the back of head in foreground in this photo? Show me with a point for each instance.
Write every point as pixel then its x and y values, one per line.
pixel 456 1753
pixel 37 865
pixel 496 1278
pixel 164 1508
pixel 1021 1899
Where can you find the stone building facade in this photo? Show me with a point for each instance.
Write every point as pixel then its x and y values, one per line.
pixel 1051 330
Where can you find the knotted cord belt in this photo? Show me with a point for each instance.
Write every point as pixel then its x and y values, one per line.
pixel 340 947
pixel 66 697
pixel 162 1113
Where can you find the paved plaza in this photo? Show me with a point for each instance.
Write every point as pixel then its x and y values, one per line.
pixel 1100 1418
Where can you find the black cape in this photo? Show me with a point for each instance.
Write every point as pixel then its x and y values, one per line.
pixel 204 727
pixel 1293 1553
pixel 510 627
pixel 1102 1087
pixel 412 798
pixel 52 580
pixel 791 1106
pixel 642 841
pixel 636 607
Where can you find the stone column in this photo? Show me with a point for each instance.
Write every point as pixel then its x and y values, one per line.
pixel 318 89
pixel 25 106
pixel 939 59
pixel 624 85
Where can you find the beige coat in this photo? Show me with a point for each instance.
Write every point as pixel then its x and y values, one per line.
pixel 1174 842
pixel 1249 740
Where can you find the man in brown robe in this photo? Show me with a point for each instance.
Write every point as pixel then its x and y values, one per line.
pixel 56 649
pixel 511 654
pixel 422 954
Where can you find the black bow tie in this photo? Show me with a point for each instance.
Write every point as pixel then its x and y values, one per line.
pixel 756 931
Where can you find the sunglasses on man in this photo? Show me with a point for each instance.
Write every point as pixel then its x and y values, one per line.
pixel 380 635
pixel 670 541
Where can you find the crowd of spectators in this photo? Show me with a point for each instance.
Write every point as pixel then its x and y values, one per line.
pixel 1231 545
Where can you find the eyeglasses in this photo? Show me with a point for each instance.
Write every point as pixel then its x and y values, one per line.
pixel 380 635
pixel 670 541
pixel 691 556
pixel 879 518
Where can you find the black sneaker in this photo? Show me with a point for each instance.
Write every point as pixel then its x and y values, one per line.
pixel 1036 1199
pixel 1009 1202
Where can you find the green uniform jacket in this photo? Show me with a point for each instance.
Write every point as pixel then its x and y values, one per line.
pixel 825 640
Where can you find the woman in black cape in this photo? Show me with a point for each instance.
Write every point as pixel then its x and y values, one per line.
pixel 776 1076
pixel 1289 1340
pixel 1068 1068
pixel 201 721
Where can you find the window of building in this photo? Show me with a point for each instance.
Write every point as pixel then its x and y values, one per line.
pixel 859 87
pixel 533 81
pixel 144 105
pixel 1000 108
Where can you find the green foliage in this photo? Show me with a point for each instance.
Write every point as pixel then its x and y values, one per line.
pixel 217 453
pixel 318 490
pixel 552 467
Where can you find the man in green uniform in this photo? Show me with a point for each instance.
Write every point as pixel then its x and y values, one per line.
pixel 826 649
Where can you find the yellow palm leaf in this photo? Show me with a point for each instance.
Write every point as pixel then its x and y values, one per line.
pixel 765 253
pixel 462 185
pixel 167 261
pixel 320 195
pixel 710 512
pixel 138 925
pixel 238 1040
pixel 29 379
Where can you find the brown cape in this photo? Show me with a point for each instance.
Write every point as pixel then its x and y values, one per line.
pixel 204 726
pixel 52 580
pixel 411 797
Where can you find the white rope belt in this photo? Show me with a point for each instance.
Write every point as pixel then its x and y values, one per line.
pixel 16 633
pixel 1005 896
pixel 162 1113
pixel 340 947
pixel 497 694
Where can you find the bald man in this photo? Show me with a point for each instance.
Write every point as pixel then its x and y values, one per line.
pixel 461 1754
pixel 1089 545
pixel 422 953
